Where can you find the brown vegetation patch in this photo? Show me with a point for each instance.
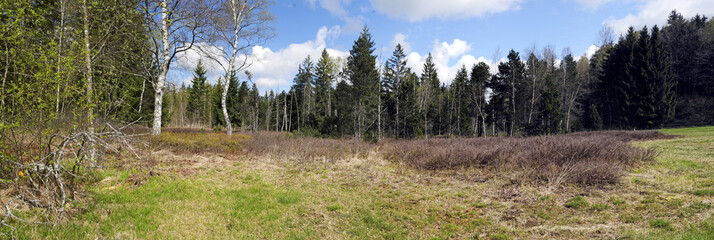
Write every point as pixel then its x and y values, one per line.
pixel 590 158
pixel 307 148
pixel 190 141
pixel 582 158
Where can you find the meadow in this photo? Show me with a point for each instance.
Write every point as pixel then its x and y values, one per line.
pixel 193 184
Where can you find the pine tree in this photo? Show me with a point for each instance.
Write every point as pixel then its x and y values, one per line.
pixel 614 93
pixel 344 108
pixel 303 91
pixel 232 101
pixel 508 92
pixel 429 95
pixel 460 93
pixel 196 95
pixel 550 113
pixel 477 85
pixel 395 74
pixel 323 89
pixel 362 73
pixel 409 114
pixel 593 120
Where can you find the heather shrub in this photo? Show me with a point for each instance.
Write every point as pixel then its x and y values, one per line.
pixel 582 158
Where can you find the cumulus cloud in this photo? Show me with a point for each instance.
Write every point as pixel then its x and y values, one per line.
pixel 443 54
pixel 591 51
pixel 185 62
pixel 417 10
pixel 400 38
pixel 656 12
pixel 276 69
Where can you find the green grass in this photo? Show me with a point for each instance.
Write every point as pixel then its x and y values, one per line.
pixel 577 202
pixel 368 198
pixel 166 207
pixel 661 223
pixel 704 192
pixel 685 168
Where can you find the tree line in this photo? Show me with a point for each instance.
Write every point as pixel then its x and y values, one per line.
pixel 637 82
pixel 68 64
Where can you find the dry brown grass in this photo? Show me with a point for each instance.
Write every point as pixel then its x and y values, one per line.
pixel 582 158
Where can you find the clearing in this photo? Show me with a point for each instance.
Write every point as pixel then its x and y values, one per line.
pixel 201 185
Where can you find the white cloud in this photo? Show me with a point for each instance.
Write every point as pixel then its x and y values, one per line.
pixel 416 10
pixel 656 12
pixel 276 69
pixel 443 54
pixel 591 51
pixel 336 8
pixel 185 62
pixel 592 4
pixel 400 38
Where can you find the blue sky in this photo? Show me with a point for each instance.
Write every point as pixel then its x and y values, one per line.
pixel 456 32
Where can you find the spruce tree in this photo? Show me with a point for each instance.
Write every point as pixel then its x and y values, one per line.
pixel 408 105
pixel 550 114
pixel 460 93
pixel 302 89
pixel 614 93
pixel 664 93
pixel 324 77
pixel 242 106
pixel 508 92
pixel 480 74
pixel 395 74
pixel 344 108
pixel 593 120
pixel 430 90
pixel 362 73
pixel 232 101
pixel 196 94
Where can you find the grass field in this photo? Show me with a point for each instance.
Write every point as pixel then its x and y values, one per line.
pixel 230 195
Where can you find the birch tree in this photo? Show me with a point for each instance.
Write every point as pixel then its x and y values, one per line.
pixel 174 27
pixel 239 25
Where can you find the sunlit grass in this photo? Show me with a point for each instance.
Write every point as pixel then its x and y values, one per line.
pixel 365 197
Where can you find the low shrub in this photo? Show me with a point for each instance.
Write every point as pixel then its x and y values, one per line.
pixel 577 202
pixel 582 158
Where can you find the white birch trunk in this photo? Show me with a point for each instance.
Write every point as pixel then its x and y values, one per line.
pixel 88 59
pixel 59 54
pixel 164 68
